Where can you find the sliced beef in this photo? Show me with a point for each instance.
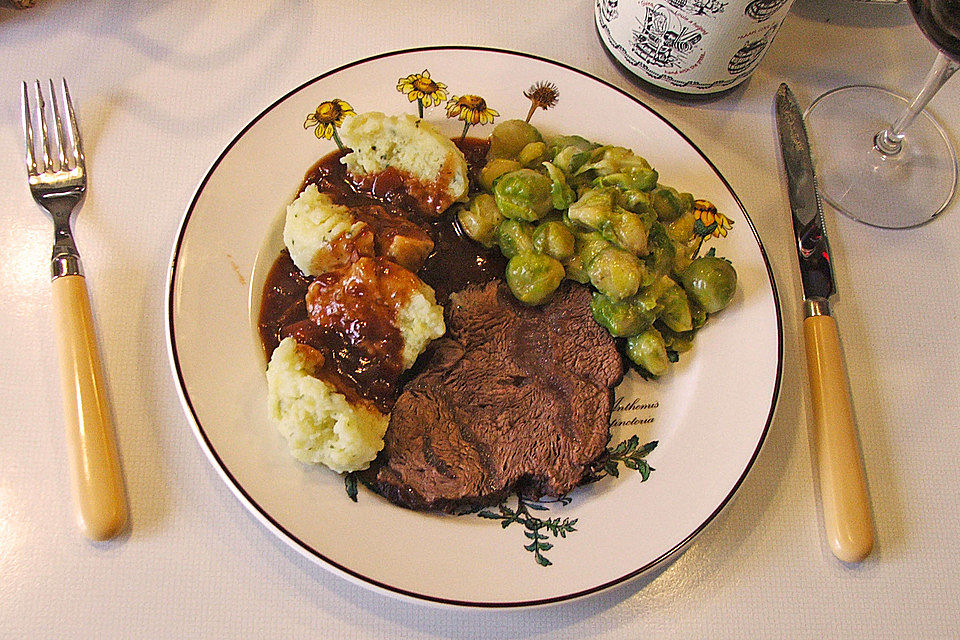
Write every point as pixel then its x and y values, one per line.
pixel 514 398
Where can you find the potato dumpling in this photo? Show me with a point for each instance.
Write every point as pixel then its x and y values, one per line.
pixel 433 169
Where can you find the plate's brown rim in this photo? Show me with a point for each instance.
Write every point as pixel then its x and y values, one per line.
pixel 391 589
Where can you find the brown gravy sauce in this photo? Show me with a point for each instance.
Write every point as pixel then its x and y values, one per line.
pixel 362 356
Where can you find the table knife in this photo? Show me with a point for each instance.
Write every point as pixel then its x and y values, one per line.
pixel 843 488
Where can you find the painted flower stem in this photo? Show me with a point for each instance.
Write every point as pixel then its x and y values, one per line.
pixel 696 253
pixel 336 138
pixel 533 108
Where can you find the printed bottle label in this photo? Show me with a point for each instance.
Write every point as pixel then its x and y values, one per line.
pixel 690 46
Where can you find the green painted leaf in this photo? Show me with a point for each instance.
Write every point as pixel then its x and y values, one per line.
pixel 647 448
pixel 703 230
pixel 538 530
pixel 350 484
pixel 644 470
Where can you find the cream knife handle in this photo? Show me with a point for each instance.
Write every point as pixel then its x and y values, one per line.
pixel 843 487
pixel 95 469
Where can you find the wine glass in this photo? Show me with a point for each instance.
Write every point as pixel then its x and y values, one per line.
pixel 880 158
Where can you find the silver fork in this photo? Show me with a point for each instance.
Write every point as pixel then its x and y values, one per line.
pixel 58 183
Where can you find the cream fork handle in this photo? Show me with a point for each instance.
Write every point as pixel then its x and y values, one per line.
pixel 95 468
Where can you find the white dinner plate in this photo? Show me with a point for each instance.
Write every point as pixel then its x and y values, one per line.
pixel 710 414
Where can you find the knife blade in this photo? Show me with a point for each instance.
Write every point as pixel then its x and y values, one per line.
pixel 843 488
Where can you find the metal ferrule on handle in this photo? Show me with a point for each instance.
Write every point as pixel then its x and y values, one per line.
pixel 813 307
pixel 65 265
pixel 65 260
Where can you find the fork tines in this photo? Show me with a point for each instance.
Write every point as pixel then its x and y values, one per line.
pixel 68 151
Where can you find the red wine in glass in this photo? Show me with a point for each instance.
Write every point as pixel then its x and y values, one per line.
pixel 940 21
pixel 882 159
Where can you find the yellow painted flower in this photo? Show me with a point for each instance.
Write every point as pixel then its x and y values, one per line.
pixel 470 109
pixel 713 222
pixel 422 88
pixel 328 116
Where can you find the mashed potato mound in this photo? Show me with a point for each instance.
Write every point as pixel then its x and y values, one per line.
pixel 321 235
pixel 410 145
pixel 421 321
pixel 319 424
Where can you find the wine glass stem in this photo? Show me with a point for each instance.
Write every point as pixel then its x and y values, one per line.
pixel 890 140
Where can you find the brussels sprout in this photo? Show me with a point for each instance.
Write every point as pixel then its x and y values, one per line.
pixel 648 350
pixel 510 137
pixel 588 245
pixel 616 273
pixel 608 160
pixel 637 180
pixel 626 230
pixel 676 341
pixel 622 318
pixel 637 201
pixel 533 277
pixel 554 239
pixel 662 251
pixel 684 255
pixel 523 194
pixel 577 144
pixel 651 290
pixel 698 316
pixel 646 298
pixel 494 169
pixel 593 209
pixel 711 282
pixel 561 195
pixel 675 308
pixel 481 219
pixel 532 154
pixel 570 159
pixel 515 237
pixel 669 203
pixel 575 270
pixel 681 229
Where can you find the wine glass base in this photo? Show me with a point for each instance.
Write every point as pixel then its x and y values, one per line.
pixel 890 191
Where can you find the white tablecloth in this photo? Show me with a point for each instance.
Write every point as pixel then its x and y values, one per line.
pixel 162 87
